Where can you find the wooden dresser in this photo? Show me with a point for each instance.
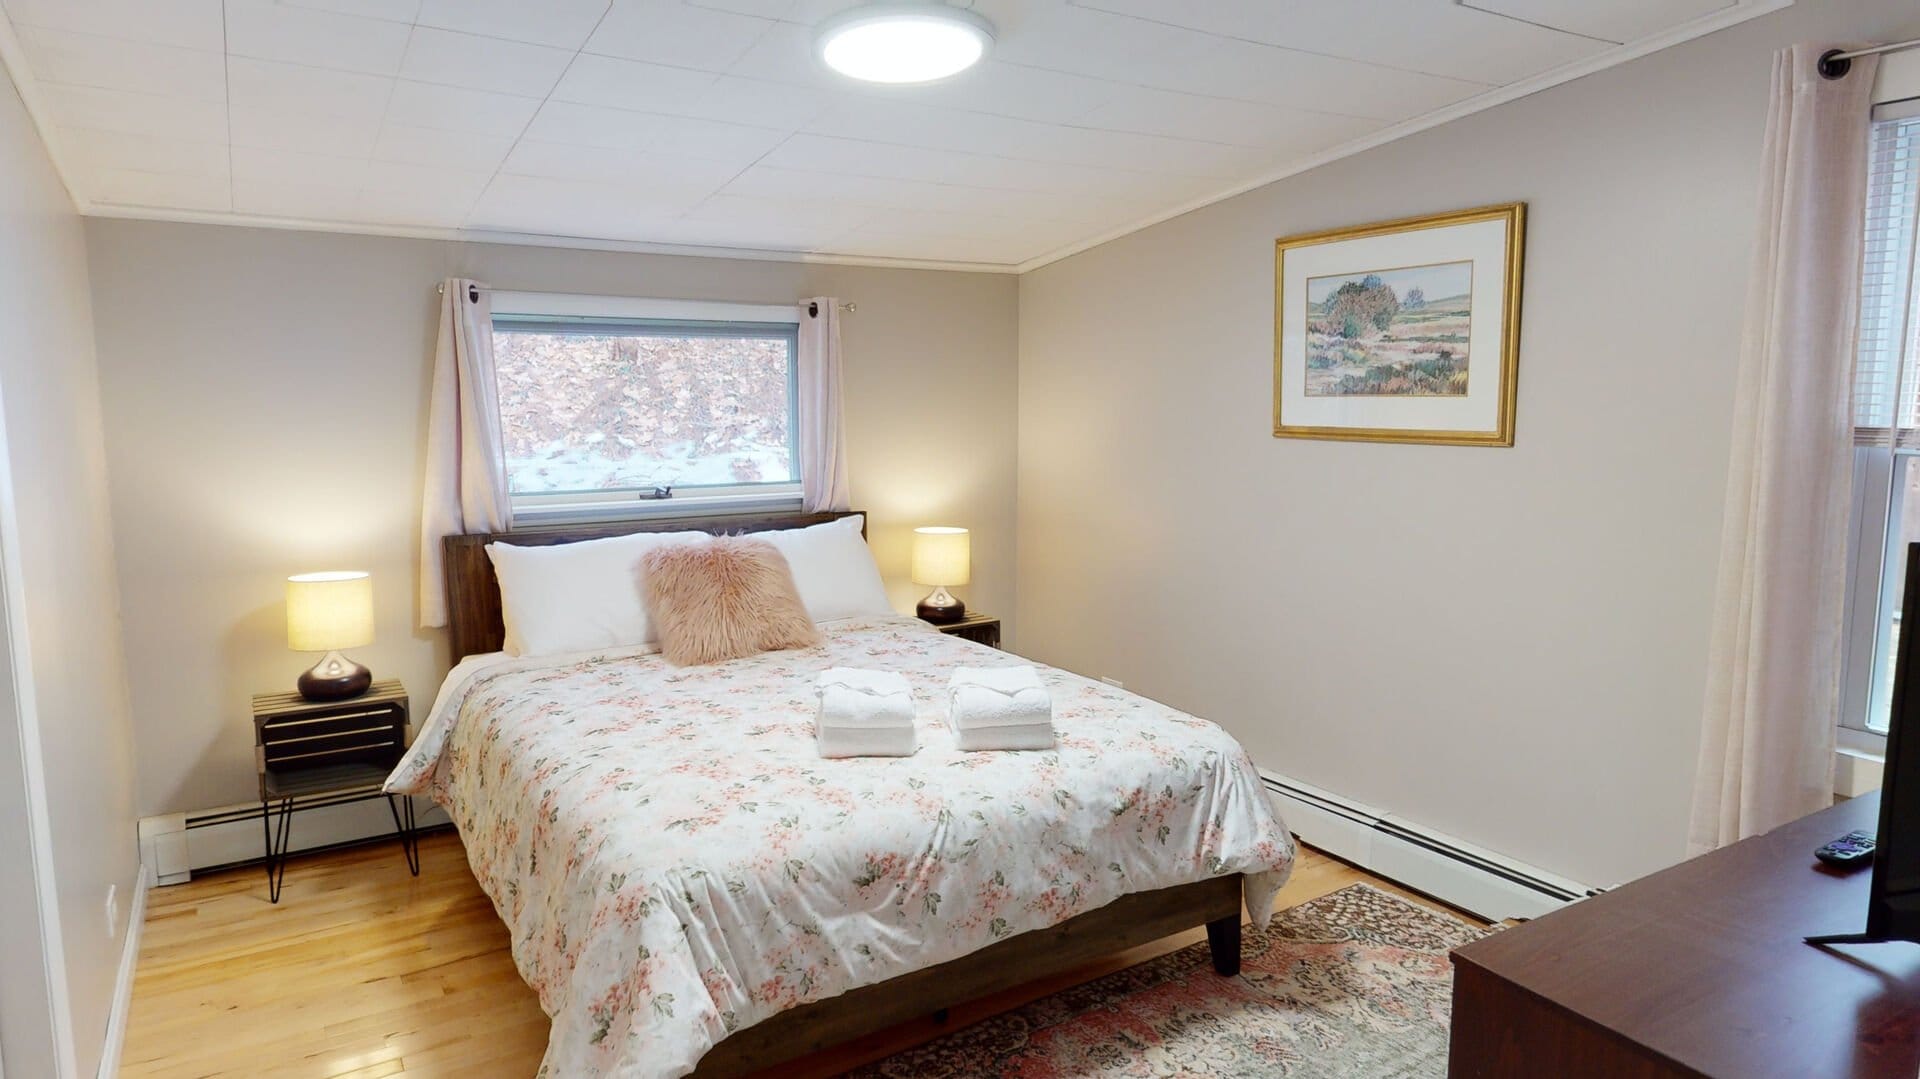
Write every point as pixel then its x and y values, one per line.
pixel 1698 970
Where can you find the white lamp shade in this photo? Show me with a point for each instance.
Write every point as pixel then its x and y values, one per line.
pixel 942 556
pixel 328 611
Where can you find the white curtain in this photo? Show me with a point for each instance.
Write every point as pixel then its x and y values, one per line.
pixel 466 488
pixel 823 439
pixel 1773 682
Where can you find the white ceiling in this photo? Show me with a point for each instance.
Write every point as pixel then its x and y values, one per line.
pixel 709 122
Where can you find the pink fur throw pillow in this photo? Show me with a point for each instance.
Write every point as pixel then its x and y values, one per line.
pixel 729 598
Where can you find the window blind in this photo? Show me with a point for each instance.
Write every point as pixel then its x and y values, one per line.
pixel 1886 381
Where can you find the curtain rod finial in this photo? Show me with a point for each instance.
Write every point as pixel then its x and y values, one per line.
pixel 1832 65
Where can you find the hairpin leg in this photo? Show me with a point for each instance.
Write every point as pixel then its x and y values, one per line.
pixel 403 823
pixel 276 845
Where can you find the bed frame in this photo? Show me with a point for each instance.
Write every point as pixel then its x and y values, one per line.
pixel 473 607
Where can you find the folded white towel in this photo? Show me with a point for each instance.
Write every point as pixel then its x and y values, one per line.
pixel 864 713
pixel 999 708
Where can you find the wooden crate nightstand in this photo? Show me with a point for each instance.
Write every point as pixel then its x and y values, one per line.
pixel 980 628
pixel 312 754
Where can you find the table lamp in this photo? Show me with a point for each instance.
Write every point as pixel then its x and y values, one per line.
pixel 325 613
pixel 941 556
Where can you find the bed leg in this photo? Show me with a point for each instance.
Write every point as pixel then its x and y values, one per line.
pixel 1223 943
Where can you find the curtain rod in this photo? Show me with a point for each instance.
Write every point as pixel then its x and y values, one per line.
pixel 1835 63
pixel 442 290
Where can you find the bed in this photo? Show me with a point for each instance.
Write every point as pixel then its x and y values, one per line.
pixel 691 889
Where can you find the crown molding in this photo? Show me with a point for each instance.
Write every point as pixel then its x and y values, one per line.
pixel 540 239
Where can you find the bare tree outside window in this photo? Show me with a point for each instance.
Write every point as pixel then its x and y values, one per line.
pixel 610 408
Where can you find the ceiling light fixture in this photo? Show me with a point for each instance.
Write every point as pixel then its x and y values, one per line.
pixel 904 42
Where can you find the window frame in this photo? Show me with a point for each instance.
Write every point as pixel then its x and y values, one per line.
pixel 1878 499
pixel 689 318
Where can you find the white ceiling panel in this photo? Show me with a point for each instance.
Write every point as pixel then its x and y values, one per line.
pixel 66 58
pixel 765 9
pixel 391 10
pixel 662 172
pixel 999 89
pixel 735 99
pixel 453 108
pixel 436 207
pixel 858 157
pixel 295 90
pixel 142 114
pixel 676 33
pixel 1086 207
pixel 1615 20
pixel 1428 36
pixel 775 213
pixel 736 145
pixel 483 63
pixel 712 122
pixel 792 234
pixel 126 187
pixel 302 131
pixel 266 30
pixel 191 24
pixel 400 179
pixel 402 144
pixel 1239 123
pixel 630 84
pixel 145 153
pixel 295 199
pixel 266 167
pixel 943 129
pixel 563 24
pixel 574 208
pixel 784 54
pixel 1097 44
pixel 1246 71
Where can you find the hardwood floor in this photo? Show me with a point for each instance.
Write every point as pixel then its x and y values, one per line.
pixel 363 971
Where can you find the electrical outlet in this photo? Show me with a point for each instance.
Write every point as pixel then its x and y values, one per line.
pixel 1114 682
pixel 113 911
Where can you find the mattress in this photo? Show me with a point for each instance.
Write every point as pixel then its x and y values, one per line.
pixel 675 862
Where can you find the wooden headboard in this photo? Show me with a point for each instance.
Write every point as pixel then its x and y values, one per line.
pixel 473 595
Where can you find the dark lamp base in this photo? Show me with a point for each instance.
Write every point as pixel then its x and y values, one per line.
pixel 941 606
pixel 335 678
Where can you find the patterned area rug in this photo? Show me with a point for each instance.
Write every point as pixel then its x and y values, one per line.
pixel 1353 984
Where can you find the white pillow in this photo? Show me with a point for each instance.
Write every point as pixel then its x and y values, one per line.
pixel 833 568
pixel 571 597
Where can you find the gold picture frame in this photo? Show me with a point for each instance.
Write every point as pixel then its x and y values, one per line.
pixel 1374 360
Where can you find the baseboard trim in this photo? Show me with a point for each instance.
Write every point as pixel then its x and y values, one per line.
pixel 123 982
pixel 1458 873
pixel 176 846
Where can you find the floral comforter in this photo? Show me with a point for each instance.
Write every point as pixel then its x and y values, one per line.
pixel 675 861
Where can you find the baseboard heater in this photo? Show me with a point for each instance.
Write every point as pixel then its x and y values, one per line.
pixel 1453 871
pixel 177 845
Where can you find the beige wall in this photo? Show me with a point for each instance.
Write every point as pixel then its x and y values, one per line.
pixel 1507 645
pixel 74 692
pixel 265 395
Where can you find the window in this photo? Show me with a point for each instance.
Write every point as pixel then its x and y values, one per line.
pixel 1886 477
pixel 606 403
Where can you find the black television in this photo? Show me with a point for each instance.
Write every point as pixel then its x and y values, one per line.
pixel 1893 903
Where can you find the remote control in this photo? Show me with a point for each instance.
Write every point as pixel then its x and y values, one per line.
pixel 1852 849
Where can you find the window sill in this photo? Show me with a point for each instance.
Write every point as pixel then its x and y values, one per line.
pixel 642 509
pixel 1856 772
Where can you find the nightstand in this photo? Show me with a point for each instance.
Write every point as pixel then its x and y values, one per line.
pixel 979 628
pixel 313 754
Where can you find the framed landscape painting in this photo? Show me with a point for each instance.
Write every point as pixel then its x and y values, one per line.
pixel 1404 331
